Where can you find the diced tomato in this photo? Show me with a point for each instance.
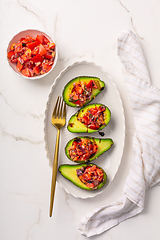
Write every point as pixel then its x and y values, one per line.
pixel 29 64
pixel 93 118
pixel 22 39
pixel 85 119
pixel 75 143
pixel 24 57
pixel 37 58
pixel 90 147
pixel 35 50
pixel 12 46
pixel 99 171
pixel 79 152
pixel 10 54
pixel 93 111
pixel 48 55
pixel 83 149
pixel 89 84
pixel 28 53
pixel 40 38
pixel 18 47
pixel 32 45
pixel 90 175
pixel 76 158
pixel 88 169
pixel 52 46
pixel 79 89
pixel 82 179
pixel 31 72
pixel 33 56
pixel 36 70
pixel 51 62
pixel 90 185
pixel 78 102
pixel 42 50
pixel 93 168
pixel 21 60
pixel 93 126
pixel 95 148
pixel 87 176
pixel 14 59
pixel 45 40
pixel 46 67
pixel 29 39
pixel 26 72
pixel 19 65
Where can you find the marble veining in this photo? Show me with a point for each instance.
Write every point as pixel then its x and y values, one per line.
pixel 19 138
pixel 29 7
pixel 37 222
pixel 24 115
pixel 131 19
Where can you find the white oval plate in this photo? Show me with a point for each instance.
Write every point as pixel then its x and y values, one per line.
pixel 111 159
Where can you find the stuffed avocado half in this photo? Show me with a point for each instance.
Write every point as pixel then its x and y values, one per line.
pixel 82 90
pixel 86 149
pixel 86 176
pixel 91 118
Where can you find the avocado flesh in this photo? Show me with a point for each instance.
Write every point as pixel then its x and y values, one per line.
pixel 76 126
pixel 69 172
pixel 69 86
pixel 103 145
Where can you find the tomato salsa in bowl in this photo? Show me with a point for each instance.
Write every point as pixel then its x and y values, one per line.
pixel 32 54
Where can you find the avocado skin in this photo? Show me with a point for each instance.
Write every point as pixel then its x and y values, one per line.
pixel 107 142
pixel 69 85
pixel 80 127
pixel 69 172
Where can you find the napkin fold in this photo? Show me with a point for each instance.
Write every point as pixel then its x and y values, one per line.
pixel 144 171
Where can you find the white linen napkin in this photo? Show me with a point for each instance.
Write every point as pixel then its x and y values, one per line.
pixel 144 171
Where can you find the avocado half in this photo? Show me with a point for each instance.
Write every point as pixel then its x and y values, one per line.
pixel 103 144
pixel 76 126
pixel 69 172
pixel 69 86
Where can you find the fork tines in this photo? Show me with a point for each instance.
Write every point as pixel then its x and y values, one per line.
pixel 60 108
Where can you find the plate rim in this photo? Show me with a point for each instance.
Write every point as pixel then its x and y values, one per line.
pixel 68 67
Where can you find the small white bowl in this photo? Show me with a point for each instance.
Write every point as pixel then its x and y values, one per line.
pixel 32 33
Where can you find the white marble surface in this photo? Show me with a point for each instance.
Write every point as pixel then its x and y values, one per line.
pixel 83 30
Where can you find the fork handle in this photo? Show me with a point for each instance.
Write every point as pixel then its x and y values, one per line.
pixel 54 172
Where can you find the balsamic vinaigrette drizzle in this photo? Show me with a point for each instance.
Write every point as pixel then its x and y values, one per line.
pixel 101 133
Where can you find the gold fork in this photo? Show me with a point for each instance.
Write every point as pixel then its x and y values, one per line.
pixel 58 120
